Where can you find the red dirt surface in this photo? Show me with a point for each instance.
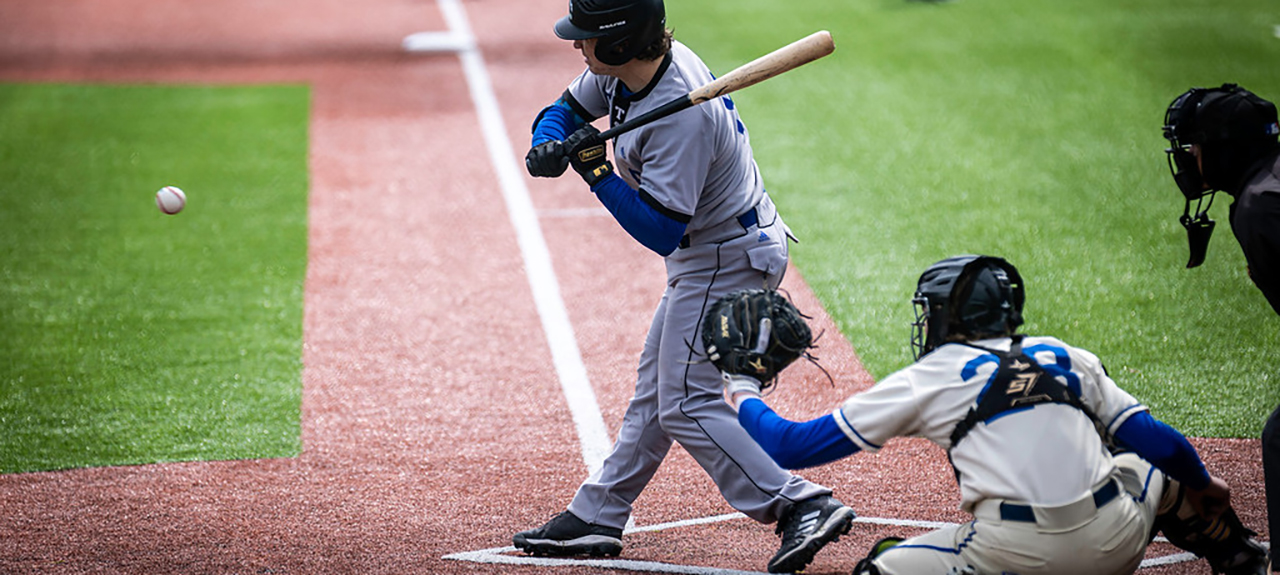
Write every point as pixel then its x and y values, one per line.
pixel 433 422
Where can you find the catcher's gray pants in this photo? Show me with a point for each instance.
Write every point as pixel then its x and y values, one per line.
pixel 1073 538
pixel 678 398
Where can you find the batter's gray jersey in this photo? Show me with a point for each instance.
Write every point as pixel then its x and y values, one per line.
pixel 695 166
pixel 696 163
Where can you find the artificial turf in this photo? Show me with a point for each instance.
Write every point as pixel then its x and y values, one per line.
pixel 129 336
pixel 1029 130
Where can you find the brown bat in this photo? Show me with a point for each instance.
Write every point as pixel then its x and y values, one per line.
pixel 786 58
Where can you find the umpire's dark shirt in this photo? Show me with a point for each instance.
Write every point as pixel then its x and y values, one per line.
pixel 1255 219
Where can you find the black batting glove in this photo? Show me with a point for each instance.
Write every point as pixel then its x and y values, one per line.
pixel 587 154
pixel 547 160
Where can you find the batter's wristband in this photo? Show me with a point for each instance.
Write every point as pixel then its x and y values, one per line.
pixel 598 174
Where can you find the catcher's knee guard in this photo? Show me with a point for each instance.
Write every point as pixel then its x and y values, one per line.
pixel 1225 542
pixel 865 566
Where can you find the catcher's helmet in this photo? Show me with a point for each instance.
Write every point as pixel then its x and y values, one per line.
pixel 968 295
pixel 1234 128
pixel 625 27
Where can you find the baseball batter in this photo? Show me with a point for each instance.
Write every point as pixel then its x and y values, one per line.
pixel 686 187
pixel 1026 422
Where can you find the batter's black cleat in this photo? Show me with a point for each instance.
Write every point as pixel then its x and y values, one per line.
pixel 565 534
pixel 806 528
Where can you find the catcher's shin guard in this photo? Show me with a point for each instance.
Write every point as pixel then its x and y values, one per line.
pixel 1225 542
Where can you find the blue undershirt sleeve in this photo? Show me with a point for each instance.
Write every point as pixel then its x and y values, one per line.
pixel 1164 447
pixel 555 122
pixel 652 228
pixel 791 444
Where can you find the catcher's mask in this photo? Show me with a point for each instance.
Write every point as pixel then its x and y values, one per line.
pixel 1232 128
pixel 973 296
pixel 624 27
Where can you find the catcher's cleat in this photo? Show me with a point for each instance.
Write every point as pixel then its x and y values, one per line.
pixel 1250 558
pixel 806 528
pixel 1225 543
pixel 565 534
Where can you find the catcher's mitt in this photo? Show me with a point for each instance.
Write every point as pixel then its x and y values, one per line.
pixel 756 333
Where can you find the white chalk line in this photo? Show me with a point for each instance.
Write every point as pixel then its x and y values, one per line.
pixel 593 436
pixel 502 555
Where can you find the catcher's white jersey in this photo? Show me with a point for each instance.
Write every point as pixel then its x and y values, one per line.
pixel 1048 454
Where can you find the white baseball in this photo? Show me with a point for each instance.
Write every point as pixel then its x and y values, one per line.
pixel 170 200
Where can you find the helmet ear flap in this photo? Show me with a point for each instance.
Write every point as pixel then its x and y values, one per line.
pixel 614 51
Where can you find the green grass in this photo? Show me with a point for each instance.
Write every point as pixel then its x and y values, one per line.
pixel 128 336
pixel 1029 130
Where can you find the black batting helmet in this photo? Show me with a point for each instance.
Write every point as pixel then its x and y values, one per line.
pixel 973 296
pixel 625 27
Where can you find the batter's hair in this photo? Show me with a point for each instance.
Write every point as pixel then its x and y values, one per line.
pixel 658 48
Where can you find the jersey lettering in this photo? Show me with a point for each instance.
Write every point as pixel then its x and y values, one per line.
pixel 729 105
pixel 618 106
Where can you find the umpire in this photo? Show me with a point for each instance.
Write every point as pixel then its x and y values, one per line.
pixel 1224 139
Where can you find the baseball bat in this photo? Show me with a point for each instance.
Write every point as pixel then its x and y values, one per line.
pixel 786 58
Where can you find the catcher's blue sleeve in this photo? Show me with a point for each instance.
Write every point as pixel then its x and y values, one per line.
pixel 555 122
pixel 1164 447
pixel 794 445
pixel 636 212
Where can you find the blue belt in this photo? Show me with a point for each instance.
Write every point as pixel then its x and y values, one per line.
pixel 746 220
pixel 1019 512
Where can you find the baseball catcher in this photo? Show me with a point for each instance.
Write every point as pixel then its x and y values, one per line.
pixel 1062 470
pixel 752 335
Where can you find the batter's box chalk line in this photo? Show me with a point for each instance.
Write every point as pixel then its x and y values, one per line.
pixel 438 42
pixel 503 556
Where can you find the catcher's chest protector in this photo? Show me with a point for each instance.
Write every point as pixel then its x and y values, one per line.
pixel 1020 383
